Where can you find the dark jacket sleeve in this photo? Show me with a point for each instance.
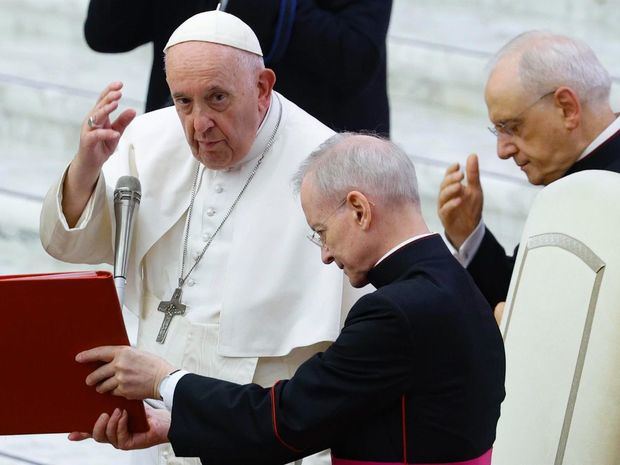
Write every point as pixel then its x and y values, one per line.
pixel 491 269
pixel 119 25
pixel 367 367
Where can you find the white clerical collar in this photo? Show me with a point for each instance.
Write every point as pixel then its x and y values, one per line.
pixel 613 128
pixel 402 244
pixel 265 130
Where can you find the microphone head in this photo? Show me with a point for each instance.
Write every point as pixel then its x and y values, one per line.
pixel 128 187
pixel 129 183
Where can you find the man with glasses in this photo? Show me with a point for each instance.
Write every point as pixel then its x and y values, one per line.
pixel 548 99
pixel 415 376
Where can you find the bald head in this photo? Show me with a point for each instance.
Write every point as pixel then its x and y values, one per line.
pixel 359 196
pixel 538 62
pixel 367 163
pixel 548 97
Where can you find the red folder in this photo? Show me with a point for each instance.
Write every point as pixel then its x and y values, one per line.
pixel 45 320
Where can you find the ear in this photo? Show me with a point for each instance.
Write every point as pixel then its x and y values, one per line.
pixel 266 81
pixel 567 101
pixel 361 209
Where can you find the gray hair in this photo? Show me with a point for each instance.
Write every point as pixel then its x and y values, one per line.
pixel 245 61
pixel 548 61
pixel 249 61
pixel 370 164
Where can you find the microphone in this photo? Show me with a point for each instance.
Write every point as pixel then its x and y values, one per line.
pixel 126 202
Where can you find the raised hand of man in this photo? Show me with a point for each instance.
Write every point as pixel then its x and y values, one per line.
pixel 99 138
pixel 460 204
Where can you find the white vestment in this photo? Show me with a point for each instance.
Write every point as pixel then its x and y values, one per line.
pixel 561 326
pixel 260 302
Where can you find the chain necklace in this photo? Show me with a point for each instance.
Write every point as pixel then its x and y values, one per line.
pixel 174 307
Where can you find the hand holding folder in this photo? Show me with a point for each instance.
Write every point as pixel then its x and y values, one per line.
pixel 113 429
pixel 141 372
pixel 133 374
pixel 47 319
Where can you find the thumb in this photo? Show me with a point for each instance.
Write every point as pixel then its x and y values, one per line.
pixel 472 171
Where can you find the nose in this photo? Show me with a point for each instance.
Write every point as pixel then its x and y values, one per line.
pixel 506 148
pixel 326 255
pixel 202 120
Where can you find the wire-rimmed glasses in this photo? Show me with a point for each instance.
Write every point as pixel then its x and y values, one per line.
pixel 508 127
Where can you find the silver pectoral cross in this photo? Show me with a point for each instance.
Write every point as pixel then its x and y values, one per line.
pixel 170 308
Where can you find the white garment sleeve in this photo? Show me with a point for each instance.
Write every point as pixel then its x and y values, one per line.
pixel 465 254
pixel 167 387
pixel 86 213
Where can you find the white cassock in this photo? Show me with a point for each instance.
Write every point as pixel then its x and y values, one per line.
pixel 260 302
pixel 561 328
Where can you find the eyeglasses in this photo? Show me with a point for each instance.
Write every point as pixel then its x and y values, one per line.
pixel 318 237
pixel 509 127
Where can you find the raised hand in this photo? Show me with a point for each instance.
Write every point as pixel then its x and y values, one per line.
pixel 99 134
pixel 460 205
pixel 99 138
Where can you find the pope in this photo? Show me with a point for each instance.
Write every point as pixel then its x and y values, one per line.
pixel 218 233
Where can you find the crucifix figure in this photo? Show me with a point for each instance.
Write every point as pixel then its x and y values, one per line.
pixel 170 308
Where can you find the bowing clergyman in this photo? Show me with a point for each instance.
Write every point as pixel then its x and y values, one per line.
pixel 547 97
pixel 415 376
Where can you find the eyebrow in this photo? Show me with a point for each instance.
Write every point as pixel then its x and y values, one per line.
pixel 504 122
pixel 211 89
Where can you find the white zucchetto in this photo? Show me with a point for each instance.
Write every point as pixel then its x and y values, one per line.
pixel 216 27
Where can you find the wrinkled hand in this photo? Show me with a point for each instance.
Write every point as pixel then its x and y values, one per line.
pixel 113 429
pixel 460 205
pixel 96 146
pixel 127 372
pixel 98 143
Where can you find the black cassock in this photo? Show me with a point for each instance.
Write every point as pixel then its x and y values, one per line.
pixel 416 375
